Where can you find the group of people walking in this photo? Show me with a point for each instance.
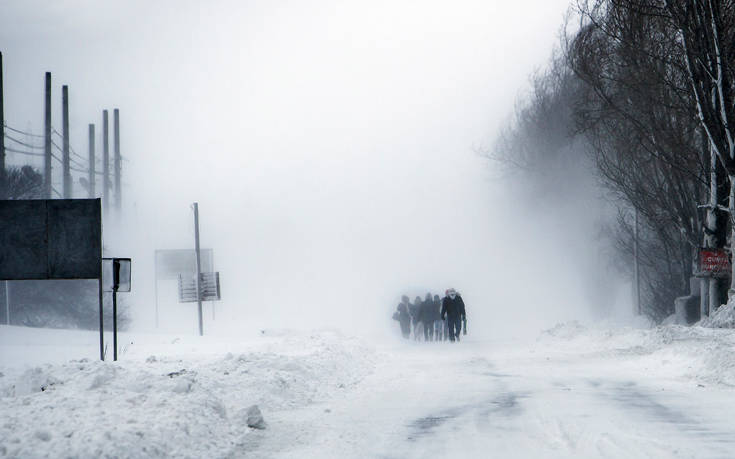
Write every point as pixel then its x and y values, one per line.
pixel 434 318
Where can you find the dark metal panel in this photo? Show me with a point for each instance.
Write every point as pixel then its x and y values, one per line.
pixel 23 244
pixel 75 238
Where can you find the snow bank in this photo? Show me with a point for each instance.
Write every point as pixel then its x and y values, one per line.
pixel 723 317
pixel 698 354
pixel 165 401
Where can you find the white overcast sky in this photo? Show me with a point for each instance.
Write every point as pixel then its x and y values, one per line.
pixel 332 146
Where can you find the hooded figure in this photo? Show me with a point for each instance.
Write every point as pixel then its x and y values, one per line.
pixel 403 317
pixel 428 314
pixel 453 310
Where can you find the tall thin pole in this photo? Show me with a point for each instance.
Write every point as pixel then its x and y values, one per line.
pixel 105 161
pixel 199 267
pixel 47 139
pixel 100 296
pixel 92 160
pixel 117 165
pixel 7 303
pixel 3 173
pixel 115 284
pixel 635 264
pixel 65 132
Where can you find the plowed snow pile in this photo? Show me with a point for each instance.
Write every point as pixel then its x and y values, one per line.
pixel 700 354
pixel 172 402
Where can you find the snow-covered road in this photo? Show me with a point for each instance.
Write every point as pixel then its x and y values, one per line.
pixel 481 399
pixel 574 392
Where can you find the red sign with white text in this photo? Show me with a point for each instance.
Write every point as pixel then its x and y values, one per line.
pixel 714 262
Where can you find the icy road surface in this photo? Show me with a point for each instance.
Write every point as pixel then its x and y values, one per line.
pixel 574 392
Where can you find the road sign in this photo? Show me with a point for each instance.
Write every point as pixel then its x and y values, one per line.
pixel 713 263
pixel 109 283
pixel 209 286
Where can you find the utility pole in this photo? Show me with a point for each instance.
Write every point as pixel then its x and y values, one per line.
pixel 105 161
pixel 65 133
pixel 636 271
pixel 118 165
pixel 47 139
pixel 91 177
pixel 3 172
pixel 199 267
pixel 7 303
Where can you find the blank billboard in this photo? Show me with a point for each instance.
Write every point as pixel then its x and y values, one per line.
pixel 171 263
pixel 50 239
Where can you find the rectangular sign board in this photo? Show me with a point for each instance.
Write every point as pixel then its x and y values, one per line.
pixel 108 277
pixel 50 239
pixel 714 262
pixel 171 263
pixel 209 287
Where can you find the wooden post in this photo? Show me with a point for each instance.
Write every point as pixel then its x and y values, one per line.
pixel 3 172
pixel 117 165
pixel 92 160
pixel 47 139
pixel 105 161
pixel 65 162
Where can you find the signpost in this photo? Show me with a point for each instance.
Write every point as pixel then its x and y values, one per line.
pixel 116 278
pixel 169 264
pixel 209 287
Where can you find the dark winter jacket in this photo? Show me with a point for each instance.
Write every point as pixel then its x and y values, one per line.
pixel 403 315
pixel 453 307
pixel 429 312
pixel 414 309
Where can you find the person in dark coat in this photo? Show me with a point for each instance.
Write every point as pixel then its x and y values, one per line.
pixel 454 312
pixel 415 310
pixel 403 317
pixel 438 322
pixel 427 316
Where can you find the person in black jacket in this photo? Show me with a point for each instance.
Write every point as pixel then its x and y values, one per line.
pixel 454 312
pixel 427 315
pixel 415 311
pixel 438 322
pixel 403 317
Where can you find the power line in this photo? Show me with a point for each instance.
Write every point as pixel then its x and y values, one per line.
pixel 35 147
pixel 22 152
pixel 70 159
pixel 70 147
pixel 23 132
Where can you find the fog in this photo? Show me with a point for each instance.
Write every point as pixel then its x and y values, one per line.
pixel 333 148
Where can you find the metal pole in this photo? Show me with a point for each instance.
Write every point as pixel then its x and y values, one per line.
pixel 199 267
pixel 3 173
pixel 47 139
pixel 117 161
pixel 65 134
pixel 635 264
pixel 92 160
pixel 115 283
pixel 7 303
pixel 155 263
pixel 105 161
pixel 99 286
